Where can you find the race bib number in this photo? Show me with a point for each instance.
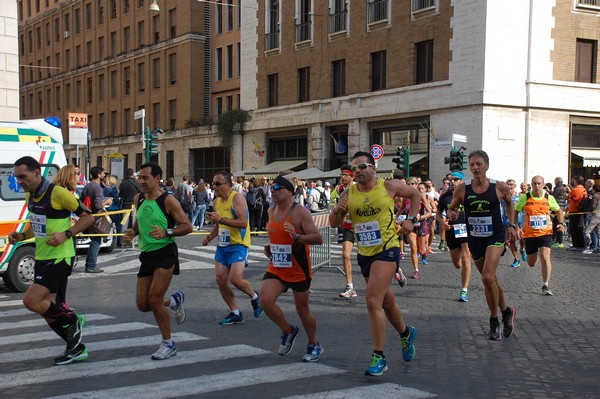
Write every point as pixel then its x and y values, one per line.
pixel 281 255
pixel 224 238
pixel 38 225
pixel 368 234
pixel 538 222
pixel 481 226
pixel 460 230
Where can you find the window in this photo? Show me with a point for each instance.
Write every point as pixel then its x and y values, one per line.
pixel 113 44
pixel 30 103
pixel 156 28
pixel 338 16
pixel 229 61
pixel 126 6
pixel 140 3
pixel 156 114
pixel 173 23
pixel 219 18
pixel 100 8
pixel 88 16
pixel 141 81
pixel 422 4
pixel 57 32
pixel 273 88
pixel 29 41
pixel 219 106
pixel 229 100
pixel 377 11
pixel 303 21
pixel 173 68
pixel 127 120
pixel 113 123
pixel 48 100
pixel 48 67
pixel 378 68
pixel 67 22
pixel 46 33
pixel 57 62
pixel 100 130
pixel 68 59
pixel 272 26
pixel 113 9
pixel 57 93
pixel 38 38
pixel 339 78
pixel 585 61
pixel 77 21
pixel 89 56
pixel 140 32
pixel 77 56
pixel 287 148
pixel 127 80
pixel 424 67
pixel 68 95
pixel 101 87
pixel 229 15
pixel 100 48
pixel 78 93
pixel 113 84
pixel 156 73
pixel 219 60
pixel 39 69
pixel 239 59
pixel 303 85
pixel 90 90
pixel 126 39
pixel 172 114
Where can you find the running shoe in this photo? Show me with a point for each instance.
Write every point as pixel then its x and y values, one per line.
pixel 524 256
pixel 401 278
pixel 546 291
pixel 516 263
pixel 378 365
pixel 424 259
pixel 508 319
pixel 416 274
pixel 256 306
pixel 401 255
pixel 587 251
pixel 463 296
pixel 429 250
pixel 494 334
pixel 349 292
pixel 313 353
pixel 557 245
pixel 232 318
pixel 75 332
pixel 287 341
pixel 178 310
pixel 165 351
pixel 441 246
pixel 76 355
pixel 408 344
pixel 446 247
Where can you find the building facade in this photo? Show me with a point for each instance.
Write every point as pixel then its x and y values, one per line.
pixel 517 78
pixel 9 61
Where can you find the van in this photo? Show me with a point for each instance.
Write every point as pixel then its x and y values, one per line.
pixel 41 139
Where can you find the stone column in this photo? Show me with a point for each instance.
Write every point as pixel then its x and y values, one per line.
pixel 316 147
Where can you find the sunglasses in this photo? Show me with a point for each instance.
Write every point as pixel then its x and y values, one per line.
pixel 217 183
pixel 361 166
pixel 455 178
pixel 276 187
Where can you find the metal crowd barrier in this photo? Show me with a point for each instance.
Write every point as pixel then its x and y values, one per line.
pixel 320 255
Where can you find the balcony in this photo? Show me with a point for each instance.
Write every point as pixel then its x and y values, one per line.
pixel 418 5
pixel 377 11
pixel 271 40
pixel 303 32
pixel 594 3
pixel 337 22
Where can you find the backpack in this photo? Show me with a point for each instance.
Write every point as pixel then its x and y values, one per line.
pixel 322 203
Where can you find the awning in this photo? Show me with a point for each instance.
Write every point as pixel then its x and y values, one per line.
pixel 591 158
pixel 275 167
pixel 242 172
pixel 307 174
pixel 386 164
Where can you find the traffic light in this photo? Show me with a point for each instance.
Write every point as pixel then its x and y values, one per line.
pixel 151 141
pixel 462 162
pixel 401 160
pixel 456 161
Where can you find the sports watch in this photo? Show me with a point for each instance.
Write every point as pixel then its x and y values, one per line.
pixel 412 219
pixel 169 233
pixel 69 233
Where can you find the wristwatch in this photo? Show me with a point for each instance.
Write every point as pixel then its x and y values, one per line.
pixel 512 225
pixel 169 233
pixel 297 236
pixel 413 219
pixel 69 233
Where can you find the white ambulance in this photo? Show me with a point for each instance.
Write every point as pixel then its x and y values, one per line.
pixel 41 139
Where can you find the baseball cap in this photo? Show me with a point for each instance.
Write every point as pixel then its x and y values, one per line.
pixel 327 183
pixel 459 175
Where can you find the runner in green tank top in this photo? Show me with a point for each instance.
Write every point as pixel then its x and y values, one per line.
pixel 159 219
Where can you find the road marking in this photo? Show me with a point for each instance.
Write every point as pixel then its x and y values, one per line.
pixel 23 311
pixel 209 383
pixel 41 322
pixel 131 365
pixel 87 331
pixel 379 391
pixel 41 353
pixel 11 303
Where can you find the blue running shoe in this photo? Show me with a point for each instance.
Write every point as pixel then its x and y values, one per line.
pixel 256 306
pixel 232 318
pixel 524 256
pixel 378 365
pixel 516 263
pixel 408 344
pixel 287 341
pixel 464 296
pixel 313 353
pixel 423 260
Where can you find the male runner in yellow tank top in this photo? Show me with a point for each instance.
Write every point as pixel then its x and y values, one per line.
pixel 371 205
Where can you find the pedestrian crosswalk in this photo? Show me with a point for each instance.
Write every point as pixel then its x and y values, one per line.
pixel 120 366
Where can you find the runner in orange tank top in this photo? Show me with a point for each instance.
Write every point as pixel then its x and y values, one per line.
pixel 291 231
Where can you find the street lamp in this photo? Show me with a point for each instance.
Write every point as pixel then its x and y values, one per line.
pixel 154 6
